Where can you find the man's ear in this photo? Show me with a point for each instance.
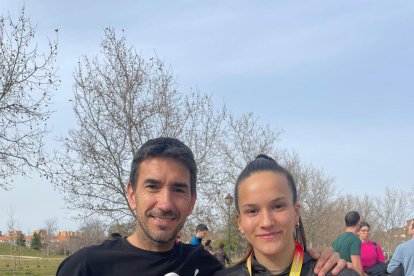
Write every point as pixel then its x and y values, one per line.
pixel 192 203
pixel 131 196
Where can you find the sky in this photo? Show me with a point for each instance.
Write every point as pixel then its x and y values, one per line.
pixel 335 76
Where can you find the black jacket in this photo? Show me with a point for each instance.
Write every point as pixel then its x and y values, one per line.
pixel 259 270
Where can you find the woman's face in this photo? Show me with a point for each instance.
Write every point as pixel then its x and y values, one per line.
pixel 267 215
pixel 363 233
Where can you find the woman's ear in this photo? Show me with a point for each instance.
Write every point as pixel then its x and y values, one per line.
pixel 297 213
pixel 239 224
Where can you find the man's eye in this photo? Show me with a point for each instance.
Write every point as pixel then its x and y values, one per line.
pixel 151 187
pixel 179 190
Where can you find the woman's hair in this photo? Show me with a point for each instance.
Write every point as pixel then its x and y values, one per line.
pixel 265 163
pixel 364 224
pixel 207 243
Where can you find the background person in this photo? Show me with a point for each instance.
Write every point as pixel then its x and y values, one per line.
pixel 268 217
pixel 404 254
pixel 208 246
pixel 201 232
pixel 221 255
pixel 371 252
pixel 348 245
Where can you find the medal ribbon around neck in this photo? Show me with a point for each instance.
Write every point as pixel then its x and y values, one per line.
pixel 297 261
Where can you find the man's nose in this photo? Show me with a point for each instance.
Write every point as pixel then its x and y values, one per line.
pixel 164 200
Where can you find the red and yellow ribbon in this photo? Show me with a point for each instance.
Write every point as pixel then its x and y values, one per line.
pixel 297 261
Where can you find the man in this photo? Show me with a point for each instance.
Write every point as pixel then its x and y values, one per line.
pixel 404 254
pixel 201 232
pixel 162 193
pixel 348 245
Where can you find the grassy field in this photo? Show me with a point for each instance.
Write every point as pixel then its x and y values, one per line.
pixel 30 262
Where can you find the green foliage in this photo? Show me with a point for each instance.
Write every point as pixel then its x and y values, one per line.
pixel 36 242
pixel 21 241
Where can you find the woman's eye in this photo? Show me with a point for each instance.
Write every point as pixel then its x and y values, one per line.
pixel 278 206
pixel 251 212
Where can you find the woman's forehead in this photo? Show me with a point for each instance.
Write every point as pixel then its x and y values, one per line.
pixel 268 183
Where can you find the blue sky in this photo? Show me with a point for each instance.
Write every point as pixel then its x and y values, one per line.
pixel 335 76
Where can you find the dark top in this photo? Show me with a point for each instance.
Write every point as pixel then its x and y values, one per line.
pixel 259 270
pixel 119 257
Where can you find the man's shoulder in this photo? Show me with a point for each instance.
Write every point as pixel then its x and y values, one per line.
pixel 93 254
pixel 348 236
pixel 195 241
pixel 407 245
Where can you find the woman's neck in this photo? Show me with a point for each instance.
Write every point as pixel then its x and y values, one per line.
pixel 276 263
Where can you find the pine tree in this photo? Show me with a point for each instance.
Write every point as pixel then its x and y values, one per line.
pixel 21 241
pixel 36 242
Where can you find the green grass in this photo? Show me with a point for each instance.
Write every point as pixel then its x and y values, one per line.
pixel 38 266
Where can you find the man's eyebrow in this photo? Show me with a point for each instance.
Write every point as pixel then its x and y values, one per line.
pixel 181 185
pixel 151 181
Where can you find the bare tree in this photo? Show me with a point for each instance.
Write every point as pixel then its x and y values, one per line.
pixel 120 101
pixel 316 194
pixel 241 140
pixel 93 231
pixel 392 210
pixel 12 232
pixel 27 82
pixel 51 226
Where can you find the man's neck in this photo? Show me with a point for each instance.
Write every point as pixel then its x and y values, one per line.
pixel 144 243
pixel 351 229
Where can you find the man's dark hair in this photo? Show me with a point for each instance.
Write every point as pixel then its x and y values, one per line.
pixel 201 227
pixel 352 218
pixel 164 147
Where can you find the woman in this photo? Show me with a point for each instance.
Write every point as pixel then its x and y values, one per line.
pixel 208 246
pixel 268 217
pixel 371 252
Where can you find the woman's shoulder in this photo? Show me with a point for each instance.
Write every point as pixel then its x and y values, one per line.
pixel 309 265
pixel 237 270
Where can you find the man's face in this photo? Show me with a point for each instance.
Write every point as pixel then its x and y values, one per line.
pixel 411 228
pixel 162 201
pixel 202 234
